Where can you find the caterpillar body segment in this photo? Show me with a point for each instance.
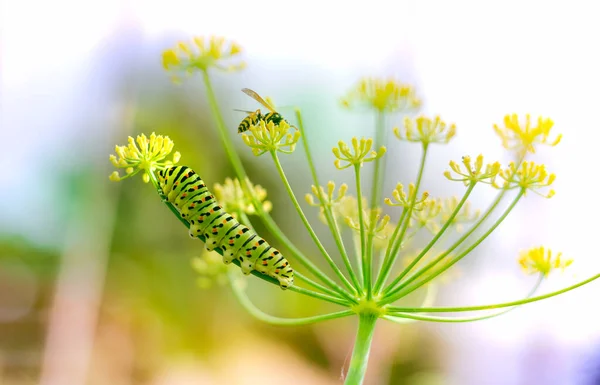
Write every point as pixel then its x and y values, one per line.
pixel 182 187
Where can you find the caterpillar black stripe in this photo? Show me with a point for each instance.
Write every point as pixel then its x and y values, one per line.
pixel 181 186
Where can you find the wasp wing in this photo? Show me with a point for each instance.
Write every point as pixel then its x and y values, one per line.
pixel 257 97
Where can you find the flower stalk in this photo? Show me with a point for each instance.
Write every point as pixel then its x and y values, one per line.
pixel 362 348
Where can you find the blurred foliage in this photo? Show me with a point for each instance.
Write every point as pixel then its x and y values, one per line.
pixel 27 273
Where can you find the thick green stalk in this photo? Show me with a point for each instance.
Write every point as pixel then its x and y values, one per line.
pixel 494 306
pixel 331 221
pixel 380 162
pixel 433 240
pixel 309 228
pixel 396 240
pixel 398 293
pixel 362 347
pixel 241 173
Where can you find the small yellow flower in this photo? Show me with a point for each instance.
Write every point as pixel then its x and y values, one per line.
pixel 524 138
pixel 270 137
pixel 232 197
pixel 382 239
pixel 540 260
pixel 473 172
pixel 428 214
pixel 143 154
pixel 383 95
pixel 211 269
pixel 465 215
pixel 326 199
pixel 529 176
pixel 374 223
pixel 360 153
pixel 347 207
pixel 426 130
pixel 201 55
pixel 403 199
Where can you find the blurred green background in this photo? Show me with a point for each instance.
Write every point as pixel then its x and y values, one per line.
pixel 96 284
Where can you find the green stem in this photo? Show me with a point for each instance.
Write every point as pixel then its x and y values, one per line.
pixel 366 270
pixel 312 233
pixel 433 240
pixel 362 347
pixel 396 293
pixel 243 298
pixel 399 317
pixel 379 171
pixel 369 259
pixel 331 221
pixel 494 306
pixel 302 278
pixel 396 240
pixel 357 253
pixel 334 223
pixel 241 173
pixel 233 156
pixel 320 296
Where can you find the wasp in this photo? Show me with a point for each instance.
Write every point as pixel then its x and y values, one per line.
pixel 254 117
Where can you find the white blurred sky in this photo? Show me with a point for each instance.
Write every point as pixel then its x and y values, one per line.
pixel 473 62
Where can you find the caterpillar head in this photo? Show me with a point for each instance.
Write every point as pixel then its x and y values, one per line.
pixel 284 283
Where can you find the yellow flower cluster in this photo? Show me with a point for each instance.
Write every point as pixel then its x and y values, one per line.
pixel 405 200
pixel 210 268
pixel 426 130
pixel 270 137
pixel 529 176
pixel 373 222
pixel 465 215
pixel 235 200
pixel 383 95
pixel 143 154
pixel 473 172
pixel 541 260
pixel 360 153
pixel 522 138
pixel 326 198
pixel 203 54
pixel 427 216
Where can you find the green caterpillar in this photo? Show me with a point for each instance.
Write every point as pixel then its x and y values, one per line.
pixel 181 186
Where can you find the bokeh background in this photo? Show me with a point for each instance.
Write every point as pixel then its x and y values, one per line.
pixel 96 285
